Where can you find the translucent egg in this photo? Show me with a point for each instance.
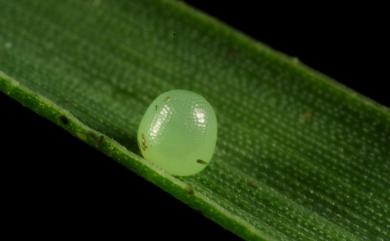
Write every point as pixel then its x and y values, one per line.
pixel 178 132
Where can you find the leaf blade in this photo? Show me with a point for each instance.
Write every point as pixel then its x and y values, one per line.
pixel 281 159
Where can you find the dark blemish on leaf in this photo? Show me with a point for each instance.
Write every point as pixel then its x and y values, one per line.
pixel 156 107
pixel 96 139
pixel 231 53
pixel 201 162
pixel 252 184
pixel 64 120
pixel 190 190
pixel 143 143
pixel 306 117
pixel 68 102
pixel 167 98
pixel 172 35
pixel 267 202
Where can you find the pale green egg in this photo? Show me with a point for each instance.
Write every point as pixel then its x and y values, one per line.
pixel 178 132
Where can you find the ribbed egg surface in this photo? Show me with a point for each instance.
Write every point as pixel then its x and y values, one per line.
pixel 178 132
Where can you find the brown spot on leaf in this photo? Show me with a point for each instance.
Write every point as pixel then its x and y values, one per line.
pixel 96 139
pixel 190 190
pixel 231 53
pixel 64 120
pixel 143 142
pixel 306 117
pixel 251 184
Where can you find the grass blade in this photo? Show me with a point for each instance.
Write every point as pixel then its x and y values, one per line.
pixel 299 156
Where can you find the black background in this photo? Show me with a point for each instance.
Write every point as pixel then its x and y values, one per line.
pixel 54 183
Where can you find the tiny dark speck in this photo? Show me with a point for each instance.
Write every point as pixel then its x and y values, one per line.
pixel 306 117
pixel 251 184
pixel 190 190
pixel 64 120
pixel 201 162
pixel 97 139
pixel 231 53
pixel 143 144
pixel 167 98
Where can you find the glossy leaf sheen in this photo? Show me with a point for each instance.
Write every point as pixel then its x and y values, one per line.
pixel 298 156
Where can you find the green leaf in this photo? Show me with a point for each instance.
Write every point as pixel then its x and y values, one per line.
pixel 298 155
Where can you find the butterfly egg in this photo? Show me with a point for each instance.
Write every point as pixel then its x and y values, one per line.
pixel 178 132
